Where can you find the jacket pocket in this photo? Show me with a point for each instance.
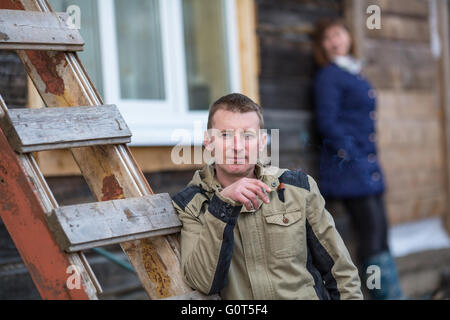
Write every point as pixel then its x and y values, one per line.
pixel 285 233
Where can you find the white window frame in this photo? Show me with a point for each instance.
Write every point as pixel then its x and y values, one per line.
pixel 152 122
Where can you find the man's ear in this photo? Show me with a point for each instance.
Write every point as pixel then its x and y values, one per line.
pixel 208 140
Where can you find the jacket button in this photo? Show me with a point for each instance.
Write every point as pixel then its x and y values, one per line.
pixel 371 158
pixel 372 137
pixel 285 220
pixel 342 153
pixel 274 184
pixel 372 94
pixel 376 176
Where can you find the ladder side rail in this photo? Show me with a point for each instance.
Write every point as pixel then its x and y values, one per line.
pixel 110 171
pixel 25 200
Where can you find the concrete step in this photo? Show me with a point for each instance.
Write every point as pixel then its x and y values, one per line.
pixel 421 272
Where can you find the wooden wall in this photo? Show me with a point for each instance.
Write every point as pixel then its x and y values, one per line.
pixel 13 81
pixel 444 75
pixel 286 75
pixel 401 66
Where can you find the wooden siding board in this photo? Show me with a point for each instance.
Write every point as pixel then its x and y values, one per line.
pixel 413 8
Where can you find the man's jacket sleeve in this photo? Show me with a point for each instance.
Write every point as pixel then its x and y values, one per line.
pixel 329 253
pixel 207 238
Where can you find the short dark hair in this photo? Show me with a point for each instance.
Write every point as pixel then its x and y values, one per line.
pixel 235 102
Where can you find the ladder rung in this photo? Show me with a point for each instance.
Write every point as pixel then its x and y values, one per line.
pixel 86 226
pixel 30 130
pixel 33 30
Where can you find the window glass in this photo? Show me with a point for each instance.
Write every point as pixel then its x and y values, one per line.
pixel 207 68
pixel 140 51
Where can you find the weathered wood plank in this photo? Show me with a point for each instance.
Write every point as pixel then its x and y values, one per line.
pixel 416 8
pixel 290 13
pixel 248 47
pixel 30 130
pixel 402 28
pixel 354 15
pixel 415 208
pixel 86 226
pixel 286 58
pixel 401 182
pixel 38 31
pixel 286 93
pixel 400 66
pixel 443 22
pixel 413 133
pixel 411 158
pixel 411 104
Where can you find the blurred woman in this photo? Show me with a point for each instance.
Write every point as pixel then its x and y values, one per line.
pixel 349 169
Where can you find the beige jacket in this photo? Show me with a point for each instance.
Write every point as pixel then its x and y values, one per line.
pixel 287 249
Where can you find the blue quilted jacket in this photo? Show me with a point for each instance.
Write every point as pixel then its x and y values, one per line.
pixel 345 113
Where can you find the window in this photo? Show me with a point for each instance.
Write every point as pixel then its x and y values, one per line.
pixel 139 49
pixel 162 62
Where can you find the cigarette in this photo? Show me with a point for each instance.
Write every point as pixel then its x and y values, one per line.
pixel 265 192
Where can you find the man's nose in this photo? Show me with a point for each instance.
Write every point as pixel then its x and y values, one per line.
pixel 238 142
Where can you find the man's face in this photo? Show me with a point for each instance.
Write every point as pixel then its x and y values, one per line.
pixel 235 141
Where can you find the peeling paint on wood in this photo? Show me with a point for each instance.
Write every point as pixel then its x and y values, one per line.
pixel 24 217
pixel 3 36
pixel 156 269
pixel 46 63
pixel 111 189
pixel 11 4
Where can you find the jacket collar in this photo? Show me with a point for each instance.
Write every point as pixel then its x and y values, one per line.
pixel 348 63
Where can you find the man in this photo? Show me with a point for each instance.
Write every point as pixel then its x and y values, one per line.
pixel 257 232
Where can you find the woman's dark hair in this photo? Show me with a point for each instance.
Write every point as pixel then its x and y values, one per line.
pixel 321 27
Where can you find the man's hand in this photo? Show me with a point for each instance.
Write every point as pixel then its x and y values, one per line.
pixel 247 191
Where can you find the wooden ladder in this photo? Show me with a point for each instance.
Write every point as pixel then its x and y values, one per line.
pixel 50 238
